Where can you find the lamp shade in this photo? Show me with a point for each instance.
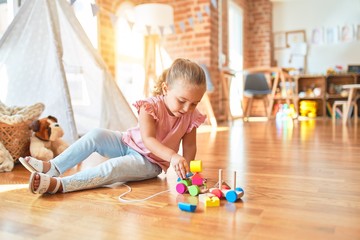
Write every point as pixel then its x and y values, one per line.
pixel 154 15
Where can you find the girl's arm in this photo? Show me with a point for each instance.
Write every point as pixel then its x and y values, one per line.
pixel 148 135
pixel 189 145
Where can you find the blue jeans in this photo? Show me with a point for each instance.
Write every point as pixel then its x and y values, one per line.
pixel 124 163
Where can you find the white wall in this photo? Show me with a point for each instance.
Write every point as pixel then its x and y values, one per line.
pixel 309 14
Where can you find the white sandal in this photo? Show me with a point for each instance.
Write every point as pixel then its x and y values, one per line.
pixel 35 165
pixel 44 184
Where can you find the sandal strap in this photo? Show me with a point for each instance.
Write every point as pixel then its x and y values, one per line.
pixel 53 172
pixel 43 185
pixel 33 165
pixel 56 189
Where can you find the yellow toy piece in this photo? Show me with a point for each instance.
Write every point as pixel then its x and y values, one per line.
pixel 196 166
pixel 212 202
pixel 308 108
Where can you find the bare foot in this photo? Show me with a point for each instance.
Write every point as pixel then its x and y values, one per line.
pixel 52 185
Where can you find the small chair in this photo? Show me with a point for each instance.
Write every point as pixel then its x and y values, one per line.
pixel 256 87
pixel 343 104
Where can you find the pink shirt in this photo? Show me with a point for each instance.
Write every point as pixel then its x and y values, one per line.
pixel 169 129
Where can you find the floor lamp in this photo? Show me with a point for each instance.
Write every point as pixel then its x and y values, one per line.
pixel 154 17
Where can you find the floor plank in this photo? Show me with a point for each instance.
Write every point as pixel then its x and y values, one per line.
pixel 301 181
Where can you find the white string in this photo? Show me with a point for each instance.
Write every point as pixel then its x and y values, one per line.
pixel 137 200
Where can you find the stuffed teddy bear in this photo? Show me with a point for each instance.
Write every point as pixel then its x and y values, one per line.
pixel 46 141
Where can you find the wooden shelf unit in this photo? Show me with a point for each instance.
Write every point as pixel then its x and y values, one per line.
pixel 328 89
pixel 305 86
pixel 334 83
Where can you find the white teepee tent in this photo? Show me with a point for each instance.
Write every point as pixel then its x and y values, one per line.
pixel 45 56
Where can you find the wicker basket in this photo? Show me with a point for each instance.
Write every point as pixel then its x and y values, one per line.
pixel 16 138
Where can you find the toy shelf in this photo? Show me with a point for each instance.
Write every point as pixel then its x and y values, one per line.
pixel 311 88
pixel 324 90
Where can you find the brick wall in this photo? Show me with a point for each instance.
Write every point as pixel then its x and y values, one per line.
pixel 201 42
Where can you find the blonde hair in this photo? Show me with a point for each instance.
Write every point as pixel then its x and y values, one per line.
pixel 181 69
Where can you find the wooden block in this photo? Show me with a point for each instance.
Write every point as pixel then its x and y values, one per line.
pixel 233 196
pixel 194 190
pixel 181 188
pixel 197 179
pixel 187 207
pixel 204 195
pixel 187 182
pixel 217 192
pixel 196 166
pixel 212 202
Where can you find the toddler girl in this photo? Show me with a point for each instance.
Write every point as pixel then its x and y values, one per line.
pixel 165 121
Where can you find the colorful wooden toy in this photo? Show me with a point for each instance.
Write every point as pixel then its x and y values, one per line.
pixel 183 185
pixel 202 196
pixel 196 166
pixel 195 183
pixel 187 207
pixel 197 179
pixel 217 192
pixel 212 202
pixel 234 194
pixel 194 190
pixel 222 189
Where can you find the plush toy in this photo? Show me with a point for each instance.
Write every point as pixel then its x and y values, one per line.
pixel 46 141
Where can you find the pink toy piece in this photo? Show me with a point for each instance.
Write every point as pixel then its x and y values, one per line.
pixel 225 186
pixel 181 188
pixel 197 179
pixel 217 192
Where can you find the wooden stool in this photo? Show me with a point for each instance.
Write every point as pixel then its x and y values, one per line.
pixel 343 104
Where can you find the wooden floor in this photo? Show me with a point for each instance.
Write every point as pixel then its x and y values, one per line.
pixel 301 181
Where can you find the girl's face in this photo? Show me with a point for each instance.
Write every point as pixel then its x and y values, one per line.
pixel 182 97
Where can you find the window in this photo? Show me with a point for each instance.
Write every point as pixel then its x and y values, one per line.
pixel 8 9
pixel 235 26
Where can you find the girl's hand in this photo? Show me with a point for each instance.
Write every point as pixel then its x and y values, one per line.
pixel 180 165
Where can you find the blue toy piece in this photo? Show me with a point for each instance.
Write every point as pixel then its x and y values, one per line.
pixel 188 175
pixel 231 196
pixel 187 207
pixel 234 195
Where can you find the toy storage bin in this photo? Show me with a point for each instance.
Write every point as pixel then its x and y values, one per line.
pixel 16 138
